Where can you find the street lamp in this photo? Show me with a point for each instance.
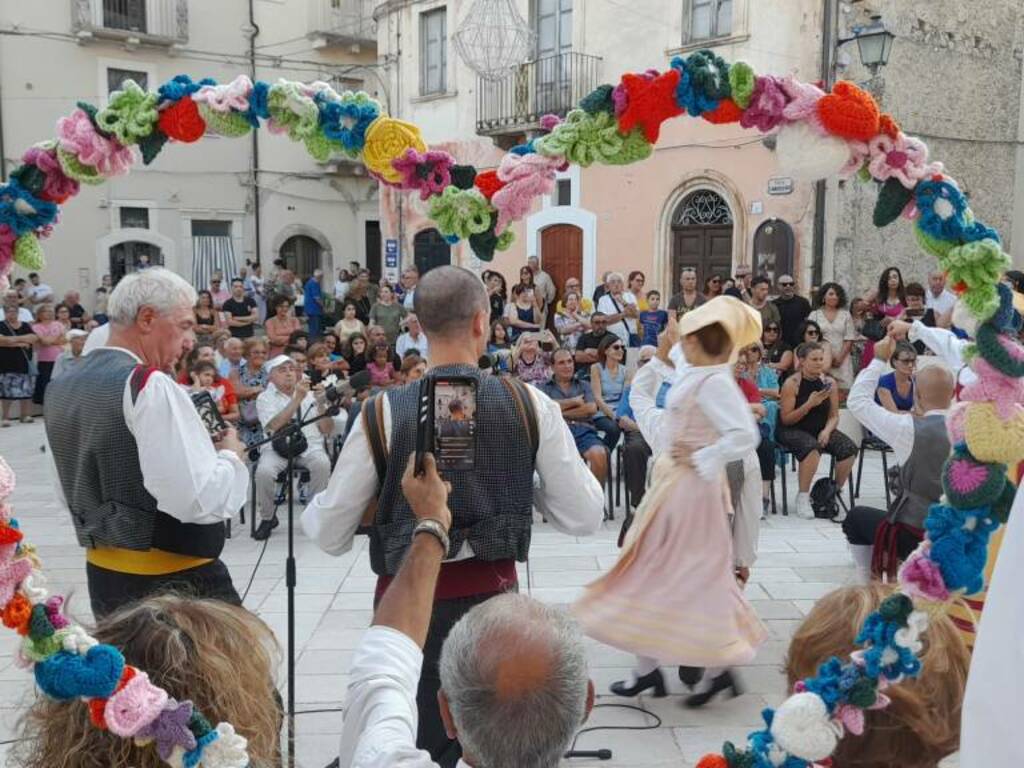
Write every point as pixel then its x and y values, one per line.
pixel 874 42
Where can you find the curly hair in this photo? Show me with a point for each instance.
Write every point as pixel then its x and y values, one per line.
pixel 840 293
pixel 219 656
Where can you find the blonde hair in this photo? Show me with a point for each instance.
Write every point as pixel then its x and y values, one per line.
pixel 922 724
pixel 220 657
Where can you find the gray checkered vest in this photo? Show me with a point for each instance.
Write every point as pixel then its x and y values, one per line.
pixel 97 463
pixel 492 506
pixel 921 473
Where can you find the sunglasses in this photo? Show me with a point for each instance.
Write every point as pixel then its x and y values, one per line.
pixel 786 285
pixel 772 329
pixel 616 346
pixel 810 333
pixel 907 360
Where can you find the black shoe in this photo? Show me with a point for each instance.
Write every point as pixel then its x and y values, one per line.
pixel 264 529
pixel 690 676
pixel 724 682
pixel 652 680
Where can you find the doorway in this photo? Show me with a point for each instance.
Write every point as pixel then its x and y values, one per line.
pixel 430 250
pixel 702 231
pixel 373 249
pixel 301 254
pixel 561 255
pixel 127 257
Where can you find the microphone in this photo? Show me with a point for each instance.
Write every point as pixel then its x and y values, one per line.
pixel 487 363
pixel 594 754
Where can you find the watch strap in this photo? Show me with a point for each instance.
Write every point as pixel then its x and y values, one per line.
pixel 436 529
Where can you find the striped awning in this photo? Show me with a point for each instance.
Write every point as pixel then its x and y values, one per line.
pixel 212 254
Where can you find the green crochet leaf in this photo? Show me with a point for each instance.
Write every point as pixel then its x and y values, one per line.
pixel 39 626
pixel 892 199
pixel 741 82
pixel 28 253
pixel 130 115
pixel 635 147
pixel 321 148
pixel 460 212
pixel 151 145
pixel 293 110
pixel 75 169
pixel 30 178
pixel 599 100
pixel 863 694
pixel 228 124
pixel 933 246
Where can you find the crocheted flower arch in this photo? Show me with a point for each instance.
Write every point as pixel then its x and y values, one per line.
pixel 819 135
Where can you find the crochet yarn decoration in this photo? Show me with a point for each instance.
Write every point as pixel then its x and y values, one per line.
pixel 818 134
pixel 68 664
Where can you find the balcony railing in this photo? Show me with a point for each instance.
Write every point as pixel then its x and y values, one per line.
pixel 342 22
pixel 548 85
pixel 153 21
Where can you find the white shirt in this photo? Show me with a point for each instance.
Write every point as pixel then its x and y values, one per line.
pixel 98 337
pixel 407 300
pixel 191 480
pixel 896 429
pixel 947 346
pixel 406 342
pixel 989 737
pixel 380 713
pixel 942 304
pixel 40 293
pixel 25 316
pixel 272 401
pixel 624 327
pixel 569 495
pixel 340 290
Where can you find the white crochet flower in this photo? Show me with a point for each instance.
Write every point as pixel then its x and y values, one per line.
pixel 908 637
pixel 802 727
pixel 228 751
pixel 77 640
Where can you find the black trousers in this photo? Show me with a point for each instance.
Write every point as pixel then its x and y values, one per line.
pixel 862 523
pixel 110 590
pixel 635 455
pixel 766 458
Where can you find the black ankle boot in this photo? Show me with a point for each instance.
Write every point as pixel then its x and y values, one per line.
pixel 653 680
pixel 724 682
pixel 690 676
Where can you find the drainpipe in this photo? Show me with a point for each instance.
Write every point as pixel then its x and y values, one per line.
pixel 254 172
pixel 828 35
pixel 3 157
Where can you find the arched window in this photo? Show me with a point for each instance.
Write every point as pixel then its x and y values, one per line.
pixel 431 250
pixel 301 254
pixel 773 249
pixel 129 256
pixel 702 208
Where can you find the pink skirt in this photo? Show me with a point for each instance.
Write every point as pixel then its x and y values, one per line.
pixel 673 596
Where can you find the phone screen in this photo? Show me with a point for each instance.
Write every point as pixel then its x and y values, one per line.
pixel 209 412
pixel 454 407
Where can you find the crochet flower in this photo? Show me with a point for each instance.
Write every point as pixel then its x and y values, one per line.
pixel 460 212
pixel 227 97
pixel 93 154
pixel 526 178
pixel 904 158
pixel 22 211
pixel 228 751
pixel 858 157
pixel 56 187
pixel 429 172
pixel 7 238
pixel 347 119
pixel 620 99
pixel 292 111
pixel 258 108
pixel 942 208
pixel 688 96
pixel 387 139
pixel 766 106
pixel 130 115
pixel 181 86
pixel 920 577
pixel 802 103
pixel 582 139
pixel 741 82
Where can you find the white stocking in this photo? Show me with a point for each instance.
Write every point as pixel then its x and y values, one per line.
pixel 644 666
pixel 861 554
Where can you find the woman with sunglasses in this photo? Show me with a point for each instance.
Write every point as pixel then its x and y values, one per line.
pixel 777 354
pixel 608 379
pixel 712 286
pixel 809 332
pixel 895 390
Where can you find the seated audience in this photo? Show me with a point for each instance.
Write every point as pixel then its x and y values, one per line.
pixel 921 725
pixel 233 352
pixel 571 321
pixel 249 383
pixel 179 643
pixel 514 683
pixel 298 356
pixel 586 348
pixel 531 358
pixel 767 382
pixel 881 539
pixel 777 354
pixel 382 371
pixel 608 380
pixel 413 368
pixel 375 336
pixel 808 422
pixel 413 339
pixel 524 312
pixel 355 354
pixel 287 395
pixel 320 366
pixel 349 322
pixel 917 309
pixel 895 390
pixel 206 379
pixel 766 447
pixel 576 400
pixel 810 333
pixel 498 345
pixel 78 315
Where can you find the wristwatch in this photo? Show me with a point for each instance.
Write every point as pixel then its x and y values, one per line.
pixel 435 529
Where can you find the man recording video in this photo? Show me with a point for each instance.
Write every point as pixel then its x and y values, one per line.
pixel 492 504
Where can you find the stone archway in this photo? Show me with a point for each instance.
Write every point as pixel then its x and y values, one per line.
pixel 163 245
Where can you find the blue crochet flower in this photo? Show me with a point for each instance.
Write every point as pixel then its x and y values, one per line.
pixel 258 107
pixel 943 209
pixel 689 97
pixel 182 86
pixel 22 211
pixel 960 544
pixel 192 758
pixel 348 119
pixel 905 662
pixel 523 149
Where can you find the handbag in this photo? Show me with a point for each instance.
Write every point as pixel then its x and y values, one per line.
pixel 872 329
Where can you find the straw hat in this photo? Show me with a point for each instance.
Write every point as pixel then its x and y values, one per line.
pixel 741 321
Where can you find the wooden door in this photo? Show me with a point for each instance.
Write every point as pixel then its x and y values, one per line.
pixel 561 254
pixel 705 249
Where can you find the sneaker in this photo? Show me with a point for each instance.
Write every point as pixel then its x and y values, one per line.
pixel 803 506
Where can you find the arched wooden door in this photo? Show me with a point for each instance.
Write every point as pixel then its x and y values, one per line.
pixel 702 227
pixel 561 255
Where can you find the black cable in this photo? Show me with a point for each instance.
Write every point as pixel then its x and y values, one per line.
pixel 593 728
pixel 252 576
pixel 319 711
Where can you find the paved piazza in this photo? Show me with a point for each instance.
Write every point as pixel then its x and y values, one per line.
pixel 799 561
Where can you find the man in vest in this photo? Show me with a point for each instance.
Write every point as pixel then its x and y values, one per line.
pixel 880 539
pixel 492 505
pixel 147 488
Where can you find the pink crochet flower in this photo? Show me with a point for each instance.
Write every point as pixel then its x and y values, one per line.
pixel 767 104
pixel 78 136
pixel 619 96
pixel 803 103
pixel 135 706
pixel 429 172
pixel 7 239
pixel 548 123
pixel 226 97
pixel 858 156
pixel 995 387
pixel 919 576
pixel 904 158
pixel 57 187
pixel 526 178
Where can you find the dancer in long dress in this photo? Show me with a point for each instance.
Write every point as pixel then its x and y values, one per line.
pixel 673 597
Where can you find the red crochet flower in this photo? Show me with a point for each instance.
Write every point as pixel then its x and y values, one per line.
pixel 649 103
pixel 488 183
pixel 849 112
pixel 182 122
pixel 727 111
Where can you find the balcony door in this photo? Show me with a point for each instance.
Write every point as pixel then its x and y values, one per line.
pixel 553 24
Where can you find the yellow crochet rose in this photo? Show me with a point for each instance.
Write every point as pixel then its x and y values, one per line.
pixel 387 139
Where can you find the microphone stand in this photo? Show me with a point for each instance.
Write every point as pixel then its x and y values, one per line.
pixel 292 432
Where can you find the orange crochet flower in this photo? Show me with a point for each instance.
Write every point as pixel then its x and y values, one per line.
pixel 887 124
pixel 17 614
pixel 488 183
pixel 727 111
pixel 849 112
pixel 713 761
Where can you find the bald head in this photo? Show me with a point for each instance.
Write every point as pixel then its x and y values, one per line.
pixel 935 386
pixel 448 300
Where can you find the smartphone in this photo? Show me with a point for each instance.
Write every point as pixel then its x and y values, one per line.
pixel 446 422
pixel 209 413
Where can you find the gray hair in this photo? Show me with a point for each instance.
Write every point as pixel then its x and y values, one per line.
pixel 613 276
pixel 533 725
pixel 447 299
pixel 155 287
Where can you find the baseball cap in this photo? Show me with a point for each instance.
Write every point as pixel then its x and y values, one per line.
pixel 279 360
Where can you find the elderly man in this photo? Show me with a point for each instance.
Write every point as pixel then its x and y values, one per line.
pixel 519 432
pixel 939 298
pixel 514 681
pixel 73 355
pixel 410 279
pixel 286 400
pixel 573 285
pixel 620 308
pixel 413 339
pixel 576 400
pixel 147 488
pixel 79 317
pixel 231 357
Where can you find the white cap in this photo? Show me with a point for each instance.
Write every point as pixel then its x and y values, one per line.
pixel 279 360
pixel 75 333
